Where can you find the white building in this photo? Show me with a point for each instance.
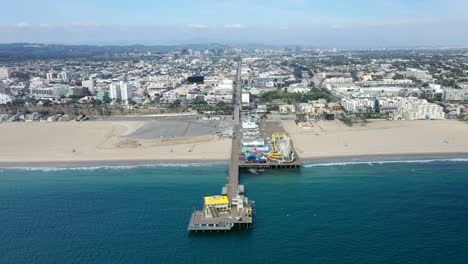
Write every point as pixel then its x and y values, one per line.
pixel 114 91
pixel 418 109
pixel 5 99
pixel 455 94
pixel 436 87
pixel 56 91
pixel 386 82
pixel 418 74
pixel 245 98
pixel 126 91
pixel 338 80
pixel 4 73
pixel 298 89
pixel 225 86
pixel 390 104
pixel 51 76
pixel 64 76
pixel 357 104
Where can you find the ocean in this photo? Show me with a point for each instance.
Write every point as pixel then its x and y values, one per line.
pixel 357 212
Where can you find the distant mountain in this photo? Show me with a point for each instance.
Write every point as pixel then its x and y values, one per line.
pixel 57 51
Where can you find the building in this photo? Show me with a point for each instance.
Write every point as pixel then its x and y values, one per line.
pixel 245 98
pixel 5 99
pixel 455 94
pixel 51 76
pixel 419 109
pixel 126 91
pixel 78 91
pixel 120 90
pixel 57 90
pixel 216 205
pixel 64 76
pixel 298 89
pixel 114 91
pixel 4 89
pixel 385 104
pixel 418 74
pixel 335 81
pixel 5 73
pixel 386 82
pixel 90 85
pixel 433 91
pixel 357 104
pixel 225 86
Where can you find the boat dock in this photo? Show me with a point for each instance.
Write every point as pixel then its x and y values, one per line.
pixel 232 209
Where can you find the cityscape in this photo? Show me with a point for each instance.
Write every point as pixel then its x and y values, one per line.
pixel 201 131
pixel 313 84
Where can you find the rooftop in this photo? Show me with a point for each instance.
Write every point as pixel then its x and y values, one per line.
pixel 216 200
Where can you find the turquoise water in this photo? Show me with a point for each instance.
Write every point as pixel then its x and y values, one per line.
pixel 355 213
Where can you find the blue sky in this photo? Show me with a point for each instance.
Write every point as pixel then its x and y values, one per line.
pixel 331 23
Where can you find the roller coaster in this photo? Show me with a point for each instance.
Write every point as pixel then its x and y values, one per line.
pixel 282 151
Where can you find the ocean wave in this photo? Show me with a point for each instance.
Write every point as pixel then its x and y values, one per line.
pixel 380 162
pixel 107 167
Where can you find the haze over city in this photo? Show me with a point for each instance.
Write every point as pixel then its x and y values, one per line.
pixel 222 131
pixel 335 23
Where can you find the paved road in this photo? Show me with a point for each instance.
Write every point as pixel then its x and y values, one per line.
pixel 235 149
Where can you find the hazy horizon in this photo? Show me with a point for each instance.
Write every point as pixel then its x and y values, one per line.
pixel 335 23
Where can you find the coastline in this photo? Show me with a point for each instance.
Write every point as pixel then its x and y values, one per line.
pixel 335 160
pixel 103 142
pixel 112 163
pixel 124 144
pixel 388 158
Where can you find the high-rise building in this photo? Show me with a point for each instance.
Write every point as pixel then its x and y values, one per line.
pixel 114 90
pixel 51 76
pixel 65 76
pixel 90 85
pixel 5 73
pixel 126 91
pixel 120 90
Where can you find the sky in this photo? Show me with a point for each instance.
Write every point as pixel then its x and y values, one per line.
pixel 313 23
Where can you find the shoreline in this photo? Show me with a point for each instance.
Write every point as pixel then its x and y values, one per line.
pixel 387 158
pixel 203 162
pixel 110 163
pixel 101 144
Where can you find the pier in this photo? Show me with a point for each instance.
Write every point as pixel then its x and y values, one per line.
pixel 232 209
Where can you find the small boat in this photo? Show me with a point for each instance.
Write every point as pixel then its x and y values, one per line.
pixel 257 171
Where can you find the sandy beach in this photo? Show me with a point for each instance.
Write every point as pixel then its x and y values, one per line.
pixel 136 141
pixel 333 139
pixel 101 141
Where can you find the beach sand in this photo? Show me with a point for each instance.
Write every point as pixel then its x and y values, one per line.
pixel 333 139
pixel 100 141
pixel 105 141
